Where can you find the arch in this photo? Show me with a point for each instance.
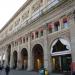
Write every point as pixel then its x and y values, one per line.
pixel 8 54
pixel 15 59
pixel 60 46
pixel 38 57
pixel 24 58
pixel 61 55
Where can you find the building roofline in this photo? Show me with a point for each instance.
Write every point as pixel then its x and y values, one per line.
pixel 16 14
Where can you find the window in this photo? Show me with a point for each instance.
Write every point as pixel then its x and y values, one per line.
pixel 41 32
pixel 59 46
pixel 20 40
pixel 16 43
pixel 36 6
pixel 36 33
pixel 23 39
pixel 26 39
pixel 56 26
pixel 65 23
pixel 25 15
pixel 49 27
pixel 32 35
pixel 17 22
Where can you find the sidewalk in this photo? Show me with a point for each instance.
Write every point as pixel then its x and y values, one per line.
pixel 17 72
pixel 23 72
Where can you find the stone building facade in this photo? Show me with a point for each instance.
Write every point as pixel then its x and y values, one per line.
pixel 41 33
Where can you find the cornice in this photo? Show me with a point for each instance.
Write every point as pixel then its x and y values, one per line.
pixel 16 14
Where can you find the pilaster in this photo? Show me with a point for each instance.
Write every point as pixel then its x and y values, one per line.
pixel 72 36
pixel 6 57
pixel 11 57
pixel 19 65
pixel 29 53
pixel 2 58
pixel 46 52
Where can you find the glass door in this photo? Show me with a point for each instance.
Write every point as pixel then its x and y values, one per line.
pixel 61 63
pixel 56 63
pixel 66 63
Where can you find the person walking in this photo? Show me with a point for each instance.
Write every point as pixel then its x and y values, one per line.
pixel 7 69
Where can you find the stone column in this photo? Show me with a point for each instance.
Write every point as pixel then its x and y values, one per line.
pixel 19 57
pixel 72 36
pixel 6 57
pixel 29 53
pixel 46 52
pixel 11 57
pixel 2 59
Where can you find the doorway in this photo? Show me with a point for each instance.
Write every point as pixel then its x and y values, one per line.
pixel 38 57
pixel 61 63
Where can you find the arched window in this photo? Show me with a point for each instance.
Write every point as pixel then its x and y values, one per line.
pixel 60 46
pixel 65 22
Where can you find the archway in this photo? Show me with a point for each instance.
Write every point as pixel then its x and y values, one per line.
pixel 61 55
pixel 8 54
pixel 38 57
pixel 15 59
pixel 24 58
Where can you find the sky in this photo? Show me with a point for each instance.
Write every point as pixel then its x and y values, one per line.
pixel 8 8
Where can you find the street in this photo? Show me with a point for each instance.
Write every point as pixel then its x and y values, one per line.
pixel 23 72
pixel 18 72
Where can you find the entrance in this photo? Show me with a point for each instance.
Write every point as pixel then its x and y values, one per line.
pixel 8 54
pixel 62 63
pixel 24 58
pixel 15 59
pixel 61 55
pixel 38 60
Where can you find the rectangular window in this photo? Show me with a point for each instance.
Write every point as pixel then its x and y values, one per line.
pixel 41 32
pixel 25 15
pixel 32 35
pixel 17 22
pixel 57 26
pixel 65 23
pixel 36 34
pixel 16 43
pixel 23 39
pixel 27 39
pixel 20 40
pixel 36 6
pixel 50 28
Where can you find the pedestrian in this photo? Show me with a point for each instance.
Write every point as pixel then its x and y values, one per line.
pixel 7 69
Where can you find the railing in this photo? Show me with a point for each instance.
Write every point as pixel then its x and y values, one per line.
pixel 35 15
